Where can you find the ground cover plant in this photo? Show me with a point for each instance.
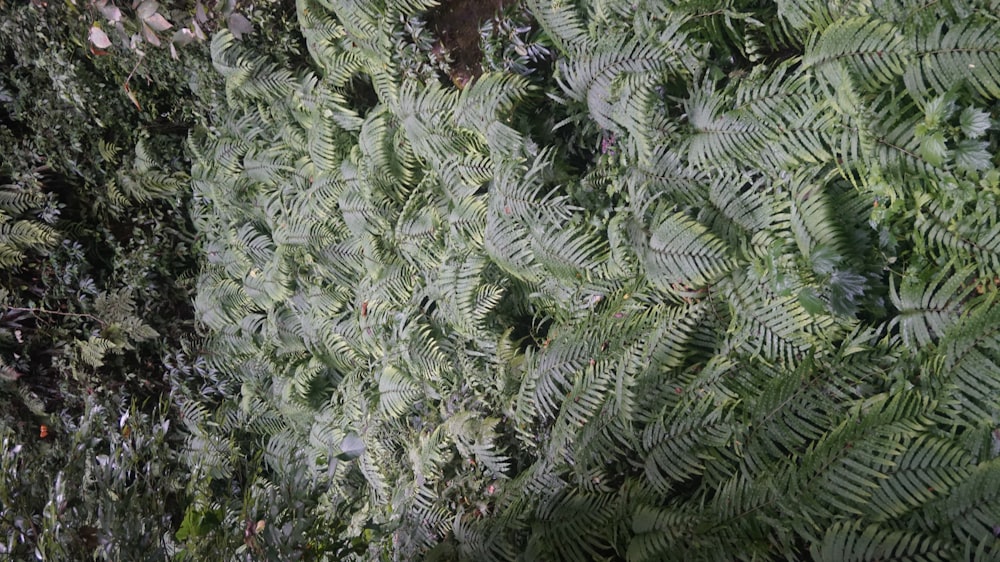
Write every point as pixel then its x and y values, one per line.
pixel 649 281
pixel 98 261
pixel 505 280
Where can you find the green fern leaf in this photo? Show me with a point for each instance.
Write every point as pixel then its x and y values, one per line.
pixel 966 52
pixel 928 308
pixel 929 468
pixel 852 542
pixel 873 52
pixel 682 251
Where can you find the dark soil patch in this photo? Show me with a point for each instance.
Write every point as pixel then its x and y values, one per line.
pixel 456 25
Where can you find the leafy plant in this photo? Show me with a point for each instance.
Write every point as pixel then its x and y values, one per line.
pixel 748 345
pixel 99 265
pixel 709 283
pixel 100 485
pixel 752 321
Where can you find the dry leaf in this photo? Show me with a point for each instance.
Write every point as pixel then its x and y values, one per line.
pixel 147 9
pixel 158 22
pixel 132 97
pixel 239 25
pixel 99 38
pixel 111 12
pixel 183 37
pixel 198 32
pixel 150 35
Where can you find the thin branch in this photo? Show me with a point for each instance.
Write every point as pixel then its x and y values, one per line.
pixel 36 311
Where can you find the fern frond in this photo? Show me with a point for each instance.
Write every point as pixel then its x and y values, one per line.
pixel 929 468
pixel 18 236
pixel 853 542
pixel 325 145
pixel 562 22
pixel 595 76
pixel 396 391
pixel 961 53
pixel 568 253
pixel 776 327
pixel 659 533
pixel 739 206
pixel 928 304
pixel 979 243
pixel 970 358
pixel 476 440
pixel 873 52
pixel 896 149
pixel 488 99
pixel 571 526
pixel 677 447
pixel 972 507
pixel 682 251
pixel 790 412
pixel 552 371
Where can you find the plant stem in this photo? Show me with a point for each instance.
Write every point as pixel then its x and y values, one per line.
pixel 37 311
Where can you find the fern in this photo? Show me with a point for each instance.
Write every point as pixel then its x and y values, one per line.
pixel 852 542
pixel 967 52
pixel 708 309
pixel 926 309
pixel 682 251
pixel 869 49
pixel 17 236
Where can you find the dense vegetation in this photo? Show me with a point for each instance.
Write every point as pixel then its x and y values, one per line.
pixel 577 281
pixel 100 260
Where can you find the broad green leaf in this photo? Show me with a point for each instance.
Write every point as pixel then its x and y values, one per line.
pixel 933 148
pixel 974 122
pixel 972 155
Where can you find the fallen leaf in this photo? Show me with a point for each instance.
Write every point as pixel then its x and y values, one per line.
pixel 183 37
pixel 147 9
pixel 150 35
pixel 132 97
pixel 198 32
pixel 99 38
pixel 239 25
pixel 351 447
pixel 199 13
pixel 111 12
pixel 158 22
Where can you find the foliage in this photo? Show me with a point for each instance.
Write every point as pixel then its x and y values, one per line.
pixel 678 281
pixel 98 267
pixel 512 42
pixel 756 318
pixel 75 493
pixel 105 183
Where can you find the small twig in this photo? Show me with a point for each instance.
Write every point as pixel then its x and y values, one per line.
pixel 128 92
pixel 57 313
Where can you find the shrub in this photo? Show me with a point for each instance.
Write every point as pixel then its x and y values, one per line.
pixel 99 263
